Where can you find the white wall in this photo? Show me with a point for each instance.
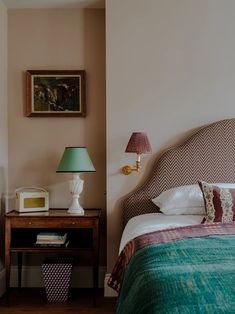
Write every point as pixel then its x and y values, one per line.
pixel 170 68
pixel 3 111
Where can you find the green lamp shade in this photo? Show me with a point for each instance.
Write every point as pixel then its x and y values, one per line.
pixel 75 159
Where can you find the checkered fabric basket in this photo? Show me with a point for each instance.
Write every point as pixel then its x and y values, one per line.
pixel 57 277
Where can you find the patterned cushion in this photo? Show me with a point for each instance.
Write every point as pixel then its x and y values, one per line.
pixel 219 203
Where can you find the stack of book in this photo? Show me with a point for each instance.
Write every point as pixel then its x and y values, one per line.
pixel 52 239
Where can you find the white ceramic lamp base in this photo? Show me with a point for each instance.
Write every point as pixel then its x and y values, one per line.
pixel 76 187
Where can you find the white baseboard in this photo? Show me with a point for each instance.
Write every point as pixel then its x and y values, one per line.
pixel 32 277
pixel 108 292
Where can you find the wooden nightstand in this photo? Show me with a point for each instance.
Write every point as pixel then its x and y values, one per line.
pixel 21 230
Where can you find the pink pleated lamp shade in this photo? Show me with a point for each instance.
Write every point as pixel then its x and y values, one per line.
pixel 139 144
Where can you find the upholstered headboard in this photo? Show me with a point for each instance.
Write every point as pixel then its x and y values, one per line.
pixel 208 154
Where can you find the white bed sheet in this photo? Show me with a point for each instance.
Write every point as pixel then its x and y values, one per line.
pixel 152 222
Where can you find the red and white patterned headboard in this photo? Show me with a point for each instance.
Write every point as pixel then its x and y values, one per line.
pixel 208 155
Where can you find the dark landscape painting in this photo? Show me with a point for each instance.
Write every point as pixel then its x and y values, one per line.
pixel 55 93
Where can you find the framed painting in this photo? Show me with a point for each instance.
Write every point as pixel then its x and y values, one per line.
pixel 55 93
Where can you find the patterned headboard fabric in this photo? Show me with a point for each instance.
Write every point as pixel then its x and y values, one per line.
pixel 208 154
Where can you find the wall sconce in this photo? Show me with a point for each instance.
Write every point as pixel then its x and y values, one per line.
pixel 139 144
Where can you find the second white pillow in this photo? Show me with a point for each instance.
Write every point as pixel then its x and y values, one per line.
pixel 181 200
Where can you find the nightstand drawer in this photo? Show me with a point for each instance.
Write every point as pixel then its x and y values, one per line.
pixel 53 223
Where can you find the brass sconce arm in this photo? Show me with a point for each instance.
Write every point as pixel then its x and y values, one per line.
pixel 128 169
pixel 139 144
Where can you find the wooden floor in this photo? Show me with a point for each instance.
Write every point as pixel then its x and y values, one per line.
pixel 27 301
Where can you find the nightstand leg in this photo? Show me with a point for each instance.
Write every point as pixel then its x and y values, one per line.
pixel 19 268
pixel 95 260
pixel 7 257
pixel 8 270
pixel 95 283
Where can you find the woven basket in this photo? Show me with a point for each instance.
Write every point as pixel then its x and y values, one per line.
pixel 57 277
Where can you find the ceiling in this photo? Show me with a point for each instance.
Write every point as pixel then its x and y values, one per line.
pixel 46 4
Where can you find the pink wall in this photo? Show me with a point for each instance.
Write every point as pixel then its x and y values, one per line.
pixel 57 39
pixel 170 69
pixel 3 100
pixel 3 128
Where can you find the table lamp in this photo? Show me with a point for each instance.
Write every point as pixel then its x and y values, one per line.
pixel 75 160
pixel 139 144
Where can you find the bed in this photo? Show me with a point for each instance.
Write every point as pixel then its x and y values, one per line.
pixel 171 262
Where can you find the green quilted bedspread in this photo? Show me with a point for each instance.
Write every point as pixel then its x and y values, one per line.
pixel 195 275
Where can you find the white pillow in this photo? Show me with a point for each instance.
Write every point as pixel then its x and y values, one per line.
pixel 184 200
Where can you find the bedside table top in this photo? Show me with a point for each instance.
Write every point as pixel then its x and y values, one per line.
pixel 56 213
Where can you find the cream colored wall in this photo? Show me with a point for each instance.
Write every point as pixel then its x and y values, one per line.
pixel 170 68
pixel 51 39
pixel 3 99
pixel 3 115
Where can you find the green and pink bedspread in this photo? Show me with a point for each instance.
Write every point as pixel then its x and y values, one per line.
pixel 181 270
